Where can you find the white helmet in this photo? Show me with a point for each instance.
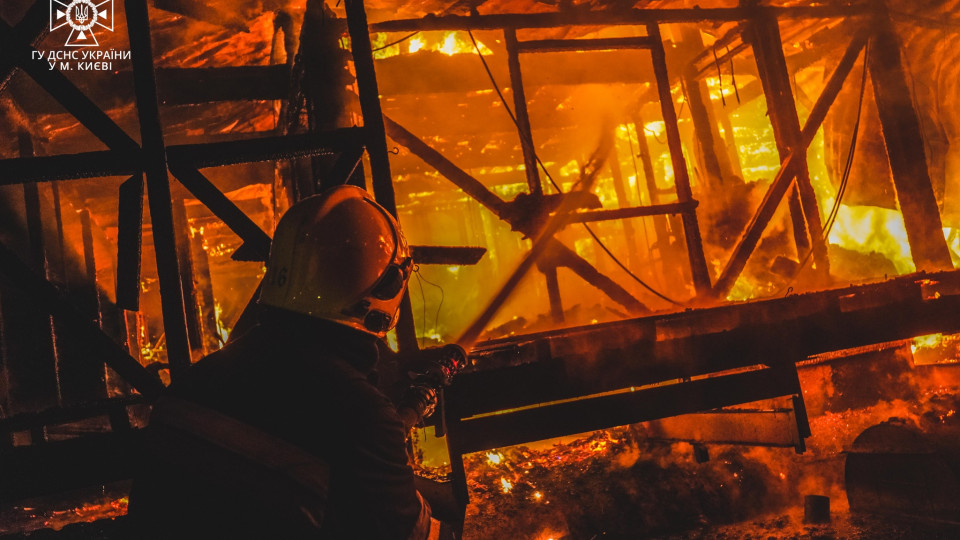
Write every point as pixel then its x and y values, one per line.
pixel 339 256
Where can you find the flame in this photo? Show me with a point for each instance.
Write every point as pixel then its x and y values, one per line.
pixel 929 341
pixel 936 349
pixel 506 484
pixel 449 43
pixel 494 458
pixel 873 229
pixel 223 333
pixel 415 45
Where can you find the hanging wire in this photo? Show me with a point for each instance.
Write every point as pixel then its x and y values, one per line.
pixel 436 318
pixel 654 134
pixel 397 42
pixel 733 77
pixel 633 158
pixel 423 301
pixel 844 179
pixel 546 172
pixel 716 62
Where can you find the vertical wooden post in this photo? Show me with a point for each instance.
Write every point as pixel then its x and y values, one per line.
pixel 620 188
pixel 187 282
pixel 731 144
pixel 204 286
pixel 129 242
pixel 158 188
pixel 80 382
pixel 376 141
pixel 703 125
pixel 60 269
pixel 553 292
pixel 374 133
pixel 905 147
pixel 691 229
pixel 521 113
pixel 91 296
pixel 660 229
pixel 778 188
pixel 763 33
pixel 26 335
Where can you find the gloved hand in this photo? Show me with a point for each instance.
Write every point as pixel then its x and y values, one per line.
pixel 434 369
pixel 421 399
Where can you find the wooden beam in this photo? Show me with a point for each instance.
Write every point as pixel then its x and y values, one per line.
pixel 589 360
pixel 215 154
pixel 68 167
pixel 546 421
pixel 764 35
pixel 903 138
pixel 129 243
pixel 704 126
pixel 553 292
pixel 158 188
pixel 609 18
pixel 788 167
pixel 373 127
pixel 256 243
pixel 376 143
pixel 653 192
pixel 450 255
pixel 691 228
pixel 183 86
pixel 623 202
pixel 597 44
pixel 470 185
pixel 520 113
pixel 588 216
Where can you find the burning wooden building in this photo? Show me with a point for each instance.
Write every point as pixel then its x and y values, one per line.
pixel 680 238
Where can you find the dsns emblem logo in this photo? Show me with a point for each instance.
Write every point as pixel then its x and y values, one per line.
pixel 82 16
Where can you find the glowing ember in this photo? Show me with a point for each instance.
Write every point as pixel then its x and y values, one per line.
pixel 223 333
pixel 926 342
pixel 935 349
pixel 449 43
pixel 506 484
pixel 873 229
pixel 494 458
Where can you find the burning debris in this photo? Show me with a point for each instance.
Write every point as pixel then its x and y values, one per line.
pixel 613 483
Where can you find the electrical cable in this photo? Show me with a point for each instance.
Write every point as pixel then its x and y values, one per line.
pixel 496 87
pixel 844 179
pixel 716 61
pixel 733 77
pixel 436 318
pixel 423 300
pixel 397 42
pixel 636 170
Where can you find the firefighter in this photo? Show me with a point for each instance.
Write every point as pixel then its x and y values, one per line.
pixel 282 434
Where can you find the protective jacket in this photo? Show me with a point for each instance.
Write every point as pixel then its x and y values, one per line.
pixel 281 434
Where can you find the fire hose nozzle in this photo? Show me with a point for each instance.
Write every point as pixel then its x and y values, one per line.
pixel 433 370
